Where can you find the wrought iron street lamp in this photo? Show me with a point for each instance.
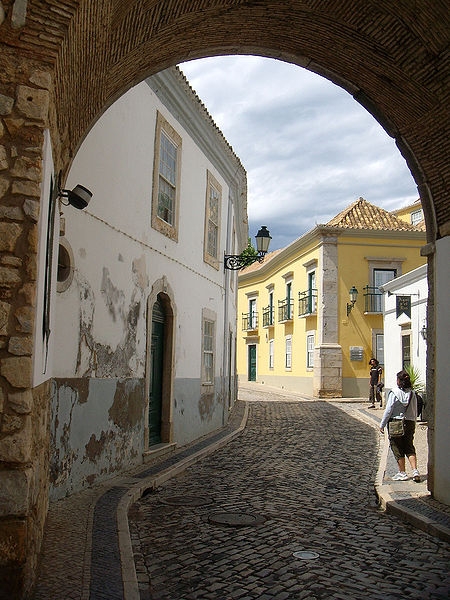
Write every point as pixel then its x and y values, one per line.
pixel 424 332
pixel 353 292
pixel 235 262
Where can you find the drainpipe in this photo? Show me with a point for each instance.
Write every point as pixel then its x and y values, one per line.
pixel 226 352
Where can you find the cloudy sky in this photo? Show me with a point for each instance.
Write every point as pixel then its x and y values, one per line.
pixel 308 148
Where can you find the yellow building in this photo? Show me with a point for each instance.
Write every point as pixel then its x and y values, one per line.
pixel 412 213
pixel 300 329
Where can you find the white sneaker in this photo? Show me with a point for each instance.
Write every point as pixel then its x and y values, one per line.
pixel 401 476
pixel 416 475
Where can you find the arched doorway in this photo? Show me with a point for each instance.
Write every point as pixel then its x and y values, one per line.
pixel 159 370
pixel 157 337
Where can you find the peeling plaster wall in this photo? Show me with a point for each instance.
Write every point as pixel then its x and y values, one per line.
pixel 96 430
pixel 100 396
pixel 195 414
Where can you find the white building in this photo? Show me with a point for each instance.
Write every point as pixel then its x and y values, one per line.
pixel 142 340
pixel 405 324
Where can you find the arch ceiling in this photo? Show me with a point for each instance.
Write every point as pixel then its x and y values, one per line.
pixel 393 57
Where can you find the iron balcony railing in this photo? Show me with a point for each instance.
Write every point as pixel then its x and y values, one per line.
pixel 285 310
pixel 249 321
pixel 373 300
pixel 268 316
pixel 307 302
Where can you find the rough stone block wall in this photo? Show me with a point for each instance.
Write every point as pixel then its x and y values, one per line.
pixel 24 412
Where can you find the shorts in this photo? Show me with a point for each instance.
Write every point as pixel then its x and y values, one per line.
pixel 404 445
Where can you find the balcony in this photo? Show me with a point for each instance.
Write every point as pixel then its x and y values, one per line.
pixel 285 310
pixel 268 316
pixel 307 303
pixel 373 300
pixel 249 321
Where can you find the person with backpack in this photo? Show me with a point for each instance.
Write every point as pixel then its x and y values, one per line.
pixel 402 407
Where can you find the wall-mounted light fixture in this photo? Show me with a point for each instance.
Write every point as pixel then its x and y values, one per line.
pixel 79 197
pixel 353 293
pixel 234 262
pixel 424 332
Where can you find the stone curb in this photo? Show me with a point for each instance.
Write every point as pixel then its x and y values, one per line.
pixel 129 577
pixel 388 501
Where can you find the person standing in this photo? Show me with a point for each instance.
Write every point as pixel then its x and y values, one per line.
pixel 375 382
pixel 402 404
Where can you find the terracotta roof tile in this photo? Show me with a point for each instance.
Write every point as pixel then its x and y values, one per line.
pixel 364 215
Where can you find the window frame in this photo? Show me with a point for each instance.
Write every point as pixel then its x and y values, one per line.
pixel 288 353
pixel 208 352
pixel 271 353
pixel 212 185
pixel 310 337
pixel 406 344
pixel 163 128
pixel 416 216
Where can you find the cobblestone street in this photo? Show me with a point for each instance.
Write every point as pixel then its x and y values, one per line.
pixel 301 475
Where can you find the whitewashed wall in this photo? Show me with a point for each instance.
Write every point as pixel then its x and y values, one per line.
pixel 414 284
pixel 99 366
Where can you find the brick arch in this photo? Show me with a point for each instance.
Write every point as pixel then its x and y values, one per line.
pixel 62 64
pixel 390 59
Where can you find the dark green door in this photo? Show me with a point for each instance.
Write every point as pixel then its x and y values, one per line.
pixel 156 369
pixel 252 362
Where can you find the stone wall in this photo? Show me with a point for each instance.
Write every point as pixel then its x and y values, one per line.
pixel 24 412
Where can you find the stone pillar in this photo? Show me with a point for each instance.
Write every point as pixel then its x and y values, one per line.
pixel 24 411
pixel 327 381
pixel 438 374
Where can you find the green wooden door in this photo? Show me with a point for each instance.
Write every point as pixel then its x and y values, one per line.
pixel 156 369
pixel 252 362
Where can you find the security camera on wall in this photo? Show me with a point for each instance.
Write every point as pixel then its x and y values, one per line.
pixel 79 197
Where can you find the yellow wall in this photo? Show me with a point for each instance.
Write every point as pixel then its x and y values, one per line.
pixel 356 255
pixel 356 252
pixel 405 213
pixel 261 280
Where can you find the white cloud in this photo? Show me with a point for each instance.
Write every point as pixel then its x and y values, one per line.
pixel 309 149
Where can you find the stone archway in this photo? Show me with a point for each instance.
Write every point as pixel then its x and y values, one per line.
pixel 62 65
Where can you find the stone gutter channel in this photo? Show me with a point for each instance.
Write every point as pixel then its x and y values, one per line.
pixel 111 542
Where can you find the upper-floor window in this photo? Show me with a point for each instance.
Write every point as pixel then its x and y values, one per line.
pixel 416 216
pixel 166 174
pixel 374 296
pixel 252 313
pixel 250 318
pixel 381 270
pixel 308 299
pixel 269 311
pixel 286 306
pixel 212 221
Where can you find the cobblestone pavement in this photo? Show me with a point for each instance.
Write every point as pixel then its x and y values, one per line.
pixel 87 552
pixel 298 479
